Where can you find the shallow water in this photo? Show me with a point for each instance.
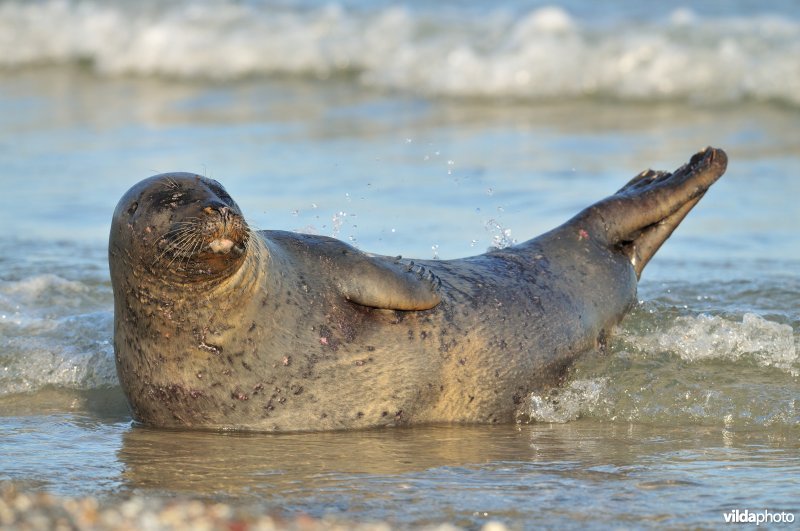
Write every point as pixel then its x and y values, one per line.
pixel 582 473
pixel 694 411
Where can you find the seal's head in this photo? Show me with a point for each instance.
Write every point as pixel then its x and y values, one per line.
pixel 181 227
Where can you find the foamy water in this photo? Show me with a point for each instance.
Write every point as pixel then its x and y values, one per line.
pixel 532 53
pixel 670 377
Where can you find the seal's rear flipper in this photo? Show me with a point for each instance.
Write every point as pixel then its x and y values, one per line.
pixel 642 249
pixel 645 212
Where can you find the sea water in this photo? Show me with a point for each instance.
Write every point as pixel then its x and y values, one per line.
pixel 431 131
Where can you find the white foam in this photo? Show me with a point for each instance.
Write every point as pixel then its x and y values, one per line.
pixel 39 287
pixel 578 398
pixel 74 352
pixel 545 53
pixel 663 376
pixel 55 331
pixel 712 337
pixel 33 305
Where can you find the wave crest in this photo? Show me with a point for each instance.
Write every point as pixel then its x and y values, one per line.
pixel 55 332
pixel 706 337
pixel 702 370
pixel 545 53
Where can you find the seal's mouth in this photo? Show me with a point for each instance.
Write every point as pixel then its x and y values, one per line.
pixel 221 245
pixel 234 245
pixel 228 233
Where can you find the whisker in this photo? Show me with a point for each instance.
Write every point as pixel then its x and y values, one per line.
pixel 195 248
pixel 180 240
pixel 176 243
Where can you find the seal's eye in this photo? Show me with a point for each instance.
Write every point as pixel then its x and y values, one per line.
pixel 133 207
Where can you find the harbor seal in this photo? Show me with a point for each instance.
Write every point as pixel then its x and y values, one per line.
pixel 218 326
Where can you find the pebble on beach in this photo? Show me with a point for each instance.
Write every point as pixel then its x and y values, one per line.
pixel 42 511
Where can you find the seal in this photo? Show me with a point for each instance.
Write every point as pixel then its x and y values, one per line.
pixel 218 326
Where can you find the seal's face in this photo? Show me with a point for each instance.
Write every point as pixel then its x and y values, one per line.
pixel 182 226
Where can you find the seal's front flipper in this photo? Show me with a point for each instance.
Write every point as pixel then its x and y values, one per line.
pixel 385 283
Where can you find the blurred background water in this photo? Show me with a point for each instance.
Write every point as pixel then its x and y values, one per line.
pixel 429 130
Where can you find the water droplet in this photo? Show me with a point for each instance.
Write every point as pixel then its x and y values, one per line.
pixel 489 191
pixel 501 237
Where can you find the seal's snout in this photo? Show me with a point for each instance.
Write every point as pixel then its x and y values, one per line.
pixel 227 229
pixel 218 209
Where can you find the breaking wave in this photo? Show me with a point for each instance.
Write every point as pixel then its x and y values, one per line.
pixel 707 370
pixel 55 332
pixel 534 54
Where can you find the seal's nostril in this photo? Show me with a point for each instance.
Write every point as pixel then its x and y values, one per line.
pixel 220 209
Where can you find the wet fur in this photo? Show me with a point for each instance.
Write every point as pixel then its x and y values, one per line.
pixel 276 341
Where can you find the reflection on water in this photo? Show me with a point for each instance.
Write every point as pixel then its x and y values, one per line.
pixel 584 471
pixel 533 476
pixel 581 470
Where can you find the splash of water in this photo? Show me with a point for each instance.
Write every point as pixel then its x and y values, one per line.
pixel 706 370
pixel 501 236
pixel 55 331
pixel 707 337
pixel 576 399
